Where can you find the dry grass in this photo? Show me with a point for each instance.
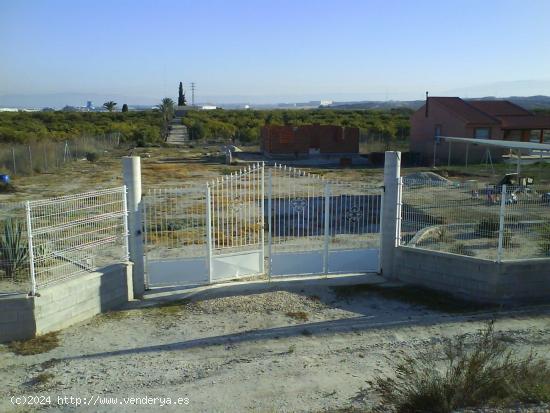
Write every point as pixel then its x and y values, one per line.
pixel 464 373
pixel 42 379
pixel 298 315
pixel 37 345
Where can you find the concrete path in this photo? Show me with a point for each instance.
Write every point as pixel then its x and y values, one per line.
pixel 178 133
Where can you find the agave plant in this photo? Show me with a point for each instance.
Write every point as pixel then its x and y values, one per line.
pixel 14 250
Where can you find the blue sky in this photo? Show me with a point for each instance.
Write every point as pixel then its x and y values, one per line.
pixel 283 50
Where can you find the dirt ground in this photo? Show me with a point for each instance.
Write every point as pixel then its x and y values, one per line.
pixel 172 166
pixel 304 346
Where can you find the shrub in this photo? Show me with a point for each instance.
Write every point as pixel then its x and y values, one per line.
pixel 92 156
pixel 488 226
pixel 14 251
pixel 467 374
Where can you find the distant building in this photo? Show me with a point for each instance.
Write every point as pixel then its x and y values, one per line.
pixel 89 105
pixel 309 140
pixel 208 107
pixel 478 119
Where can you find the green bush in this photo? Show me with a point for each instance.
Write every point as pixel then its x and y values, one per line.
pixel 488 227
pixel 14 250
pixel 463 374
pixel 92 156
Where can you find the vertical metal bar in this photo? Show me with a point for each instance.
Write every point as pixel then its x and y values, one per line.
pixel 380 213
pixel 125 215
pixel 269 218
pixel 208 234
pixel 501 223
pixel 398 212
pixel 262 219
pixel 31 252
pixel 327 230
pixel 13 157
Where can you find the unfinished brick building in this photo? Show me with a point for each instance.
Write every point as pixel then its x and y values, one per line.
pixel 309 140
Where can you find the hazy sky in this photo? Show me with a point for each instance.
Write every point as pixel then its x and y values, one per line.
pixel 256 49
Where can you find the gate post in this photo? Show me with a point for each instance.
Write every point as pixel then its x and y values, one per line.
pixel 132 179
pixel 391 213
pixel 327 229
pixel 209 232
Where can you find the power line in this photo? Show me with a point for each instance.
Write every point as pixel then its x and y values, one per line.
pixel 192 93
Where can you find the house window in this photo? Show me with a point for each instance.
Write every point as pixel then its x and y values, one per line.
pixel 482 133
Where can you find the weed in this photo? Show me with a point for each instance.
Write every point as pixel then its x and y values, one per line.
pixel 37 345
pixel 291 349
pixel 298 315
pixel 465 375
pixel 175 307
pixel 42 379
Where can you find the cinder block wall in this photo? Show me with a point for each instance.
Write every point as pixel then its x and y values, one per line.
pixel 474 278
pixel 16 317
pixel 65 303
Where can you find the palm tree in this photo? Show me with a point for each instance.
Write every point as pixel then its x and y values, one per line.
pixel 110 105
pixel 167 109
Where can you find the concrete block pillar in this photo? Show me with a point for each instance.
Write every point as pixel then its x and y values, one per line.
pixel 132 179
pixel 391 213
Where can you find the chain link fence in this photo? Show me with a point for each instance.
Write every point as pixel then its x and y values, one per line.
pixel 47 156
pixel 492 222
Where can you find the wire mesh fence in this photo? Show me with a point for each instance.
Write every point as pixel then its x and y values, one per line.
pixel 14 252
pixel 46 156
pixel 175 222
pixel 493 222
pixel 76 234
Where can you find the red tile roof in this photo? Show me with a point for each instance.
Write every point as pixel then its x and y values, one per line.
pixel 464 110
pixel 493 112
pixel 499 107
pixel 525 122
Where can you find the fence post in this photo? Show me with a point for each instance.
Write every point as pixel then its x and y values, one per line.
pixel 269 218
pixel 209 232
pixel 391 214
pixel 13 156
pixel 31 252
pixel 132 180
pixel 501 223
pixel 327 228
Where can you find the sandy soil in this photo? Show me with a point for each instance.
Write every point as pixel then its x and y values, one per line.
pixel 235 348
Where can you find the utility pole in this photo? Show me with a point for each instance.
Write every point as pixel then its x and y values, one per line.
pixel 192 93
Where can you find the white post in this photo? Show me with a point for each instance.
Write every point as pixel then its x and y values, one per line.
pixel 390 231
pixel 209 232
pixel 31 252
pixel 125 207
pixel 501 223
pixel 132 180
pixel 269 218
pixel 262 216
pixel 327 229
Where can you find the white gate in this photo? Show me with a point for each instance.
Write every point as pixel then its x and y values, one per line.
pixel 236 224
pixel 318 226
pixel 207 233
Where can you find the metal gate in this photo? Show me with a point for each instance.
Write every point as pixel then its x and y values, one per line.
pixel 206 233
pixel 317 226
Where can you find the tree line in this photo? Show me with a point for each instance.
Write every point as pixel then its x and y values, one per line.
pixel 244 125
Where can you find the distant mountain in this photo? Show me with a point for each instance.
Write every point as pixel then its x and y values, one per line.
pixel 527 102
